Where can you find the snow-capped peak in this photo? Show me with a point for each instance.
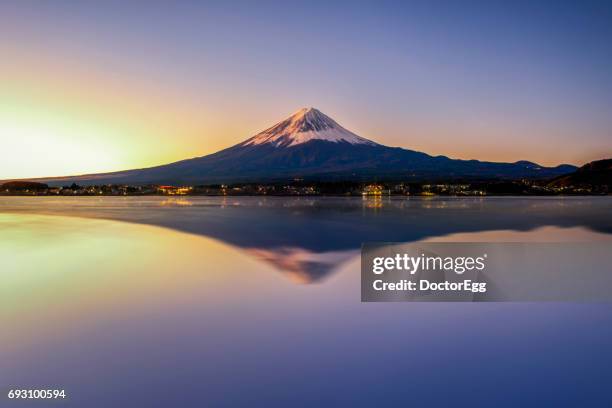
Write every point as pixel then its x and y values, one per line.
pixel 303 126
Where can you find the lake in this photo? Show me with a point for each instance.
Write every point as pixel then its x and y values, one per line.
pixel 243 301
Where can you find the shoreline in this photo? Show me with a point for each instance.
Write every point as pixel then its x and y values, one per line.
pixel 367 197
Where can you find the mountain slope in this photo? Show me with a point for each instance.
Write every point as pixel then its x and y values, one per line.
pixel 309 144
pixel 593 175
pixel 303 126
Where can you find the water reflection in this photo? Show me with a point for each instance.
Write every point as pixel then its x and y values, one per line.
pixel 136 313
pixel 308 238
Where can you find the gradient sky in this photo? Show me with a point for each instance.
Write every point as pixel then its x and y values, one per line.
pixel 88 87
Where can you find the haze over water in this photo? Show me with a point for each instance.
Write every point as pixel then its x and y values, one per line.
pixel 225 301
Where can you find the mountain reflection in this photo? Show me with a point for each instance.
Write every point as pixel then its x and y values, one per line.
pixel 308 238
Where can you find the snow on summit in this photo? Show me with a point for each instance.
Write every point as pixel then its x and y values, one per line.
pixel 303 126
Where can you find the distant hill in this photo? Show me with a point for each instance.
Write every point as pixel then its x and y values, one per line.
pixel 312 146
pixel 594 175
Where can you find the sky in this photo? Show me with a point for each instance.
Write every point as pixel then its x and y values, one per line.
pixel 99 86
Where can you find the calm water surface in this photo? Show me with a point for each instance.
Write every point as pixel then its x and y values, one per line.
pixel 255 302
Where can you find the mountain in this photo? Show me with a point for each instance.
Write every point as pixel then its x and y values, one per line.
pixel 311 145
pixel 596 175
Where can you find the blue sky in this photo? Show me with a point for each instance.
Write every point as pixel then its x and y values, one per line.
pixel 488 80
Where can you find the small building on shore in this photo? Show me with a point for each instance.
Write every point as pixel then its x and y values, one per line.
pixel 374 190
pixel 172 190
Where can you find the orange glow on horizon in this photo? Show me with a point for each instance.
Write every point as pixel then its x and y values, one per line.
pixel 61 121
